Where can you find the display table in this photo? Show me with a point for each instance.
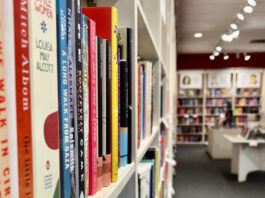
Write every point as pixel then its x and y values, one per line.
pixel 218 146
pixel 247 156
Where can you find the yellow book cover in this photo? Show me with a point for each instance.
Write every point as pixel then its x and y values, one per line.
pixel 114 94
pixel 44 97
pixel 157 171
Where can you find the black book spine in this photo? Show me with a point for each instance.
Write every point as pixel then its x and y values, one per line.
pixel 80 168
pixel 71 81
pixel 100 99
pixel 108 82
pixel 124 94
pixel 129 62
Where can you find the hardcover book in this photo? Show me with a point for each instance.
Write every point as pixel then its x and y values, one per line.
pixel 79 111
pixel 72 92
pixel 63 96
pixel 4 154
pixel 44 98
pixel 85 97
pixel 92 86
pixel 107 21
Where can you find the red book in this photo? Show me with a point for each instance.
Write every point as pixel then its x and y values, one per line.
pixel 139 104
pixel 92 87
pixel 23 99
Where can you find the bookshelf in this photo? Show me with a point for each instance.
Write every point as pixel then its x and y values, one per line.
pixel 149 33
pixel 218 94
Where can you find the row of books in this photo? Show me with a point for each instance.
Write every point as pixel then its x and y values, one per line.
pixel 240 120
pixel 189 102
pixel 247 101
pixel 189 138
pixel 219 102
pixel 190 93
pixel 189 111
pixel 218 92
pixel 189 129
pixel 145 84
pixel 247 92
pixel 245 110
pixel 190 120
pixel 68 87
pixel 149 174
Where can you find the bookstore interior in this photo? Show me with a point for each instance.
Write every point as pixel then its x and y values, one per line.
pixel 135 98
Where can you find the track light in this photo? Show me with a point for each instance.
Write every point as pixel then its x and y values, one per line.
pixel 218 48
pixel 226 57
pixel 227 37
pixel 215 53
pixel 240 16
pixel 248 9
pixel 235 34
pixel 212 57
pixel 247 57
pixel 233 26
pixel 252 3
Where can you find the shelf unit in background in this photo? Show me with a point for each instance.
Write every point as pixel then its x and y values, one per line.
pixel 153 39
pixel 244 102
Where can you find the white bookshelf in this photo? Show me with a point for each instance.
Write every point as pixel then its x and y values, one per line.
pixel 233 96
pixel 153 40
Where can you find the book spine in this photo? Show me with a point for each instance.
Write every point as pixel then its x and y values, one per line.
pixel 104 97
pixel 92 150
pixel 5 191
pixel 23 98
pixel 144 104
pixel 139 104
pixel 119 102
pixel 129 62
pixel 79 111
pixel 100 105
pixel 107 157
pixel 44 106
pixel 63 96
pixel 114 96
pixel 85 96
pixel 71 85
pixel 124 114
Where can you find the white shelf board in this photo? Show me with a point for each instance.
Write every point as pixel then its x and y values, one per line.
pixel 145 144
pixel 190 143
pixel 115 188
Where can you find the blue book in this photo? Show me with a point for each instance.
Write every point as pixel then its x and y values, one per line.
pixel 63 96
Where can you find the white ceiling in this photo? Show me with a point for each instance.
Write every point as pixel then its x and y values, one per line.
pixel 212 18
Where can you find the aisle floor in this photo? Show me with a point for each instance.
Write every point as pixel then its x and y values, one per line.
pixel 198 176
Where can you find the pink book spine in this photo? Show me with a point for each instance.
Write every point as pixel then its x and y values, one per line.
pixel 92 72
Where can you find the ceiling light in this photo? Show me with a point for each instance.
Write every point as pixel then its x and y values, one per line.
pixel 215 53
pixel 212 57
pixel 198 35
pixel 218 48
pixel 226 57
pixel 247 57
pixel 227 37
pixel 252 2
pixel 235 34
pixel 233 26
pixel 240 16
pixel 248 9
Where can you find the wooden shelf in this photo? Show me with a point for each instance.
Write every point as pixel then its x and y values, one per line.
pixel 190 97
pixel 189 133
pixel 188 106
pixel 247 106
pixel 216 106
pixel 124 174
pixel 218 97
pixel 247 96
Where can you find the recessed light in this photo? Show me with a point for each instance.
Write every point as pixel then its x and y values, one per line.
pixel 248 9
pixel 240 16
pixel 212 57
pixel 233 26
pixel 252 2
pixel 218 48
pixel 198 35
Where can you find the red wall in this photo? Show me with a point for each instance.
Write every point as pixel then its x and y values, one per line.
pixel 202 61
